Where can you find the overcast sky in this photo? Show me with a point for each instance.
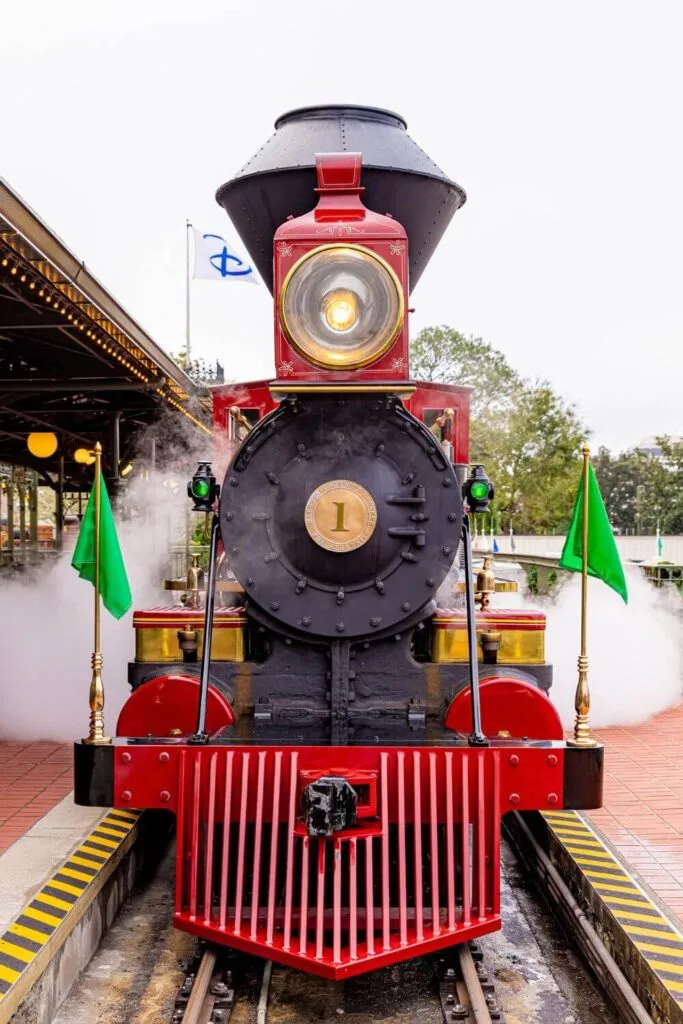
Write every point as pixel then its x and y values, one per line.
pixel 561 120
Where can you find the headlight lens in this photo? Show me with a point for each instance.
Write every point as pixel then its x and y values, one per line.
pixel 341 306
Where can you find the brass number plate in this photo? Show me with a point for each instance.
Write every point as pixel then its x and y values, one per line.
pixel 340 515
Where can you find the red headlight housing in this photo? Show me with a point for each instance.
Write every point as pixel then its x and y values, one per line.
pixel 341 279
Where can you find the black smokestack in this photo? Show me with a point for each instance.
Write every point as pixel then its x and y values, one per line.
pixel 399 179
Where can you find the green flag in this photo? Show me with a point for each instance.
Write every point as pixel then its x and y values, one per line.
pixel 114 586
pixel 603 557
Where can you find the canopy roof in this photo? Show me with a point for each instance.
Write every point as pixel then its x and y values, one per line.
pixel 72 360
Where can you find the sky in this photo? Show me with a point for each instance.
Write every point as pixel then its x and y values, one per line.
pixel 562 122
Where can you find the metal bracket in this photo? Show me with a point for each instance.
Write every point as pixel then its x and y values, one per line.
pixel 419 536
pixel 418 497
pixel 417 715
pixel 340 691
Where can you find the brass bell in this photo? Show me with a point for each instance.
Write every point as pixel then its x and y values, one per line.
pixel 194 581
pixel 486 584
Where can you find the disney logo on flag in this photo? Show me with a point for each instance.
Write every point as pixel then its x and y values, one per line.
pixel 217 259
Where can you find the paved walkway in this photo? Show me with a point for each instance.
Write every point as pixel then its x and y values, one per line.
pixel 643 807
pixel 34 777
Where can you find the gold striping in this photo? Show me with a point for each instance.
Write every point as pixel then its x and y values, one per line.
pixel 614 888
pixel 110 831
pixel 658 933
pixel 612 876
pixel 675 986
pixel 8 974
pixel 580 838
pixel 42 916
pixel 652 947
pixel 623 902
pixel 633 915
pixel 52 901
pixel 84 862
pixel 92 852
pixel 18 952
pixel 28 933
pixel 662 965
pixel 593 861
pixel 80 875
pixel 74 890
pixel 97 838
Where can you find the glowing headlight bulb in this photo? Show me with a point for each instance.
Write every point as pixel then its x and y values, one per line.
pixel 341 310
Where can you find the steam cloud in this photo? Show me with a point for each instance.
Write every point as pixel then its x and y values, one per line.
pixel 47 616
pixel 635 651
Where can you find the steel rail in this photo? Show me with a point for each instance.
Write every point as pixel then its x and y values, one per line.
pixel 196 1011
pixel 262 1010
pixel 474 992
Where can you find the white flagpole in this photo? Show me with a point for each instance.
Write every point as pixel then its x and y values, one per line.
pixel 187 292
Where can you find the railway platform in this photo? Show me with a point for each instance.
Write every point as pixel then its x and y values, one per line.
pixel 624 862
pixel 65 870
pixel 64 873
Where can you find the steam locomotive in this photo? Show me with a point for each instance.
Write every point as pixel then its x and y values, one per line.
pixel 337 750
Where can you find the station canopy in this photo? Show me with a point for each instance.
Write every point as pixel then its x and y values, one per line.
pixel 73 362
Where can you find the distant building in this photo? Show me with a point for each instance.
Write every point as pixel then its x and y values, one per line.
pixel 649 445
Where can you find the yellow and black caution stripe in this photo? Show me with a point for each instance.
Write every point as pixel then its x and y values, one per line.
pixel 43 926
pixel 658 941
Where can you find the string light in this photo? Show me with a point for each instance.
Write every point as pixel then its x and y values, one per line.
pixel 113 342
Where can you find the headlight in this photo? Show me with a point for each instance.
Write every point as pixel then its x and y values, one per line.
pixel 341 306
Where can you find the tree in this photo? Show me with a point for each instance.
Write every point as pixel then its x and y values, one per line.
pixel 444 354
pixel 625 482
pixel 525 434
pixel 532 453
pixel 661 501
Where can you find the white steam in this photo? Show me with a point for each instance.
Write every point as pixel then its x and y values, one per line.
pixel 635 651
pixel 47 620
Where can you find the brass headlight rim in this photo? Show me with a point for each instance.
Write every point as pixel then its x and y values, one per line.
pixel 356 364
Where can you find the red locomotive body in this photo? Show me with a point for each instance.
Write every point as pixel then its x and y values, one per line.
pixel 339 802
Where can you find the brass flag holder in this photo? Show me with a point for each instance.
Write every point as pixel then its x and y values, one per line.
pixel 96 731
pixel 582 699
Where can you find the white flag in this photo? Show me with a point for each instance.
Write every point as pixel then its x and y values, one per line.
pixel 216 260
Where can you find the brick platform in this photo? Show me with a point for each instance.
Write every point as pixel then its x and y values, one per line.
pixel 34 777
pixel 643 812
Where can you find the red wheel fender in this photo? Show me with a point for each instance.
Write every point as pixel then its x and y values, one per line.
pixel 166 704
pixel 508 705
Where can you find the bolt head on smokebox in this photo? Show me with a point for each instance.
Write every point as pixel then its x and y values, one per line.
pixel 398 179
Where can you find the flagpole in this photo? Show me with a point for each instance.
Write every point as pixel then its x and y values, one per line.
pixel 187 292
pixel 582 699
pixel 96 731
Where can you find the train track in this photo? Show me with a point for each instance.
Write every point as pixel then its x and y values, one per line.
pixel 210 991
pixel 146 972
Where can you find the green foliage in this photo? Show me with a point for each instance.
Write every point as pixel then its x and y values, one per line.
pixel 630 486
pixel 532 453
pixel 528 438
pixel 443 354
pixel 532 579
pixel 661 497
